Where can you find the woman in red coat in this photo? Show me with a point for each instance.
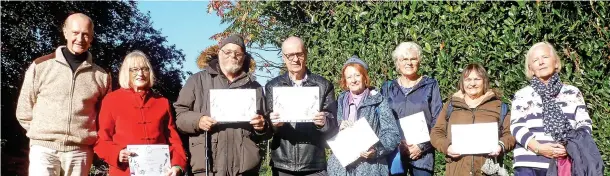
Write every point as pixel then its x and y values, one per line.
pixel 134 115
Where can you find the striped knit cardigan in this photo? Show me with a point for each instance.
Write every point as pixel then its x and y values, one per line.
pixel 527 124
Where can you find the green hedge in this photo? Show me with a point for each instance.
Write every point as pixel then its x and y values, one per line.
pixel 452 34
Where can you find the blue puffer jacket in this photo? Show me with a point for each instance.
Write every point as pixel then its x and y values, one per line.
pixel 375 109
pixel 424 96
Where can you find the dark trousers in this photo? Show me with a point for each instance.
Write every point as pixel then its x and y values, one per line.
pixel 280 172
pixel 415 172
pixel 530 171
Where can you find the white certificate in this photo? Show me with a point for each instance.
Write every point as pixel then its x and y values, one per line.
pixel 415 128
pixel 232 105
pixel 350 142
pixel 149 160
pixel 296 104
pixel 475 138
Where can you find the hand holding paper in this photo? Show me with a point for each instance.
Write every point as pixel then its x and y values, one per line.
pixel 258 122
pixel 414 151
pixel 415 128
pixel 274 117
pixel 368 154
pixel 452 153
pixel 173 171
pixel 496 152
pixel 320 119
pixel 206 122
pixel 348 150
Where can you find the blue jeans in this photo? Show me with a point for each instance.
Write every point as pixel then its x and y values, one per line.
pixel 530 171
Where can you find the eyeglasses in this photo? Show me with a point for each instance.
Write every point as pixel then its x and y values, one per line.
pixel 138 69
pixel 299 55
pixel 237 54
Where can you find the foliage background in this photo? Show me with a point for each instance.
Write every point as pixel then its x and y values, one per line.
pixel 452 34
pixel 33 29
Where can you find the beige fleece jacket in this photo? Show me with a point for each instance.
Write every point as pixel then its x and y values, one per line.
pixel 58 108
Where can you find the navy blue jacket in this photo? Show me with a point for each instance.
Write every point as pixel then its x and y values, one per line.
pixel 585 156
pixel 424 96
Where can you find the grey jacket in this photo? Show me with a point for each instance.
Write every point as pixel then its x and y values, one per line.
pixel 376 110
pixel 234 149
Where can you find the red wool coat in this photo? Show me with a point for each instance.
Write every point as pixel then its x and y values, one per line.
pixel 128 118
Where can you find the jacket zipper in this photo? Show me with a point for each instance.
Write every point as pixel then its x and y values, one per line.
pixel 70 106
pixel 472 156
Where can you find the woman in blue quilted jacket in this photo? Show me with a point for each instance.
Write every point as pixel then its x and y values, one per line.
pixel 361 101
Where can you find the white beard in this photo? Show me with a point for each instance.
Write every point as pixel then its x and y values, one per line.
pixel 232 68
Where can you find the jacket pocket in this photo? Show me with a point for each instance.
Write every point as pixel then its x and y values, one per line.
pixel 197 153
pixel 250 156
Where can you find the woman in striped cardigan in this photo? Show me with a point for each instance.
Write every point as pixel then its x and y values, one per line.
pixel 544 112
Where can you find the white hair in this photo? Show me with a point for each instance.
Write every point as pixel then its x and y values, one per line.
pixel 528 72
pixel 402 49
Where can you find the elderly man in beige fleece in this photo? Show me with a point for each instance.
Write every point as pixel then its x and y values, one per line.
pixel 58 103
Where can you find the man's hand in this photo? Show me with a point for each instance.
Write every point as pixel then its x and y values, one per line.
pixel 206 122
pixel 320 119
pixel 275 116
pixel 258 122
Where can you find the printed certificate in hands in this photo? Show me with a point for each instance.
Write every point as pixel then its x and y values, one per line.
pixel 232 105
pixel 415 128
pixel 296 104
pixel 149 160
pixel 351 141
pixel 475 138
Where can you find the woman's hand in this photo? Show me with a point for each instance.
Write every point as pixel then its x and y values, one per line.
pixel 173 171
pixel 496 152
pixel 452 153
pixel 552 150
pixel 345 124
pixel 124 156
pixel 368 154
pixel 414 151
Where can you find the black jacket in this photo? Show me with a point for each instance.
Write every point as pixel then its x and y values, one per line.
pixel 301 146
pixel 585 156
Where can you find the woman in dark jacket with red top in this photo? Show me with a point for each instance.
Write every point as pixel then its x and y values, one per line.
pixel 133 115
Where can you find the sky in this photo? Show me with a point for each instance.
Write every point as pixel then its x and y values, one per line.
pixel 188 25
